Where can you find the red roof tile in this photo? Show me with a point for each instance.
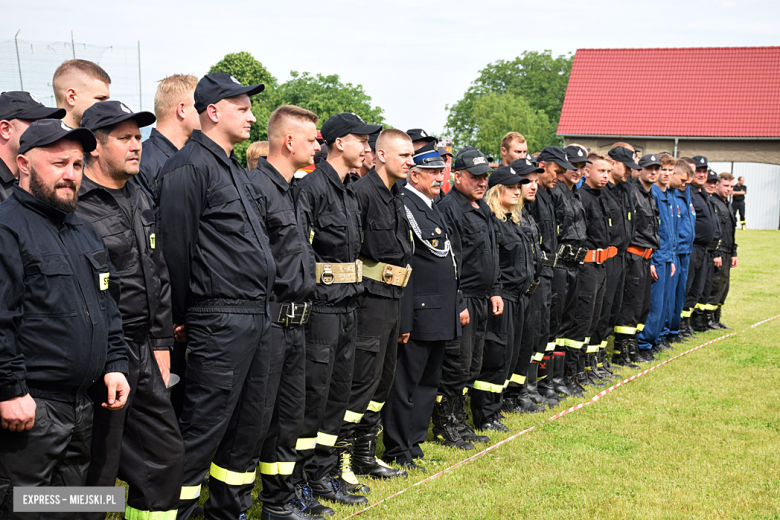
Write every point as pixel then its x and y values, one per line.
pixel 708 92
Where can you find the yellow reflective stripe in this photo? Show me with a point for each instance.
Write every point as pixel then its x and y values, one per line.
pixel 285 468
pixel 306 443
pixel 603 344
pixel 686 313
pixel 465 390
pixel 488 387
pixel 591 349
pixel 572 343
pixel 537 356
pixel 373 406
pixel 439 398
pixel 506 383
pixel 517 378
pixel 231 478
pixel 268 468
pixel 325 439
pixel 189 492
pixel 640 327
pixel 550 346
pixel 352 417
pixel 559 342
pixel 624 330
pixel 701 306
pixel 137 514
pixel 586 341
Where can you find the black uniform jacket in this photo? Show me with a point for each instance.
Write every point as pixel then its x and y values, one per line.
pixel 620 207
pixel 212 238
pixel 707 228
pixel 646 216
pixel 595 204
pixel 331 221
pixel 7 181
pixel 516 259
pixel 569 215
pixel 431 304
pixel 727 221
pixel 475 238
pixel 543 211
pixel 387 236
pixel 60 329
pixel 156 151
pixel 289 245
pixel 531 231
pixel 145 298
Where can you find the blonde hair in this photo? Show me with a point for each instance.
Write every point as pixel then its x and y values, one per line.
pixel 171 91
pixel 69 68
pixel 510 137
pixel 667 160
pixel 254 152
pixel 285 113
pixel 683 166
pixel 599 156
pixel 493 200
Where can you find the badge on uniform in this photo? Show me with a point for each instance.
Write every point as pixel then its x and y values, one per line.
pixel 152 240
pixel 435 243
pixel 438 231
pixel 311 236
pixel 104 281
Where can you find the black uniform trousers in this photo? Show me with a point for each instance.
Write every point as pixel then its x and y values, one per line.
pixel 526 339
pixel 178 367
pixel 409 406
pixel 585 314
pixel 739 207
pixel 564 298
pixel 330 358
pixel 613 297
pixel 636 296
pixel 720 282
pixel 378 322
pixel 463 356
pixel 502 344
pixel 699 279
pixel 222 418
pixel 54 452
pixel 284 409
pixel 140 443
pixel 543 334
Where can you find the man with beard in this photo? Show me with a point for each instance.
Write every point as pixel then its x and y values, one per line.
pixel 60 328
pixel 149 456
pixel 79 84
pixel 17 111
pixel 385 253
pixel 331 218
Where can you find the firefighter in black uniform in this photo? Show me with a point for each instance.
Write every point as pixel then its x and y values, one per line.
pixel 620 204
pixel 636 290
pixel 727 252
pixel 149 456
pixel 474 240
pixel 504 331
pixel 60 328
pixel 738 201
pixel 221 272
pixel 430 313
pixel 330 213
pixel 292 142
pixel 707 236
pixel 17 111
pixel 385 253
pixel 516 397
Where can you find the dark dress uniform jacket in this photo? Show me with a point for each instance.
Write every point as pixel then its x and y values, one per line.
pixel 333 225
pixel 475 241
pixel 431 304
pixel 290 246
pixel 145 300
pixel 156 152
pixel 596 211
pixel 727 221
pixel 569 215
pixel 60 329
pixel 7 181
pixel 620 209
pixel 646 216
pixel 516 259
pixel 212 238
pixel 543 211
pixel 706 229
pixel 387 236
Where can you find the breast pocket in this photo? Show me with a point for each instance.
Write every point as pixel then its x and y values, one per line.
pixel 119 240
pixel 474 238
pixel 101 275
pixel 332 229
pixel 50 288
pixel 281 226
pixel 150 230
pixel 224 210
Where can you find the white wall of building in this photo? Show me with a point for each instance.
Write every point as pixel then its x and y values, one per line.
pixel 762 201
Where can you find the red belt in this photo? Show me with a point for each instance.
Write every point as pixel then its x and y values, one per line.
pixel 644 252
pixel 599 256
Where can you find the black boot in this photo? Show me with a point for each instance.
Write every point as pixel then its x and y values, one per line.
pixel 311 506
pixel 525 403
pixel 330 489
pixel 620 356
pixel 605 365
pixel 718 320
pixel 711 323
pixel 572 382
pixel 686 331
pixel 598 368
pixel 444 430
pixel 465 430
pixel 494 424
pixel 365 461
pixel 346 477
pixel 664 344
pixel 699 321
pixel 559 383
pixel 635 355
pixel 292 510
pixel 531 385
pixel 509 403
pixel 545 386
pixel 591 366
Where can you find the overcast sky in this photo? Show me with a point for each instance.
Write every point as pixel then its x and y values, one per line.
pixel 412 57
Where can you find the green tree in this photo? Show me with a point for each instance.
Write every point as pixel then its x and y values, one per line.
pixel 537 77
pixel 496 114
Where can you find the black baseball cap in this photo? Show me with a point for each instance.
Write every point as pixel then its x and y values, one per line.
pixel 712 176
pixel 649 159
pixel 109 113
pixel 525 166
pixel 418 134
pixel 18 104
pixel 624 155
pixel 443 151
pixel 345 123
pixel 506 175
pixel 576 154
pixel 700 161
pixel 472 160
pixel 213 88
pixel 44 132
pixel 557 155
pixel 372 137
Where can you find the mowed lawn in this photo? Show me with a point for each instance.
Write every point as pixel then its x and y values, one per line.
pixel 697 438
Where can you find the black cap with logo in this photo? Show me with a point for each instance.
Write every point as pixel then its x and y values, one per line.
pixel 649 159
pixel 711 176
pixel 345 123
pixel 577 155
pixel 557 155
pixel 23 105
pixel 213 88
pixel 109 113
pixel 44 132
pixel 472 160
pixel 525 166
pixel 700 161
pixel 506 175
pixel 624 155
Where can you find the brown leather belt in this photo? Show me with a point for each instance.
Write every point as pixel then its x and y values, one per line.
pixel 644 252
pixel 329 274
pixel 386 273
pixel 599 256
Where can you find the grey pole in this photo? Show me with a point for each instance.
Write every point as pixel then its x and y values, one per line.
pixel 73 45
pixel 140 94
pixel 19 61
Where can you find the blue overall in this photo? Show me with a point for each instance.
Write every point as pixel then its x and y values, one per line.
pixel 686 220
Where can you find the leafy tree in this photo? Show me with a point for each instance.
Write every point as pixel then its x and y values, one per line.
pixel 539 78
pixel 497 114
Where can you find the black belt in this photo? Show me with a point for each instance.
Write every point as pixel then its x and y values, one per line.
pixel 572 254
pixel 290 313
pixel 549 260
pixel 715 245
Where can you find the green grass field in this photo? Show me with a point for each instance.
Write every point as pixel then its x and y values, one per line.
pixel 697 438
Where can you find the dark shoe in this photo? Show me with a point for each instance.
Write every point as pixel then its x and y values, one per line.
pixel 531 383
pixel 645 356
pixel 699 321
pixel 573 383
pixel 605 364
pixel 587 378
pixel 509 405
pixel 597 367
pixel 364 460
pixel 465 430
pixel 634 352
pixel 413 466
pixel 329 488
pixel 525 403
pixel 718 320
pixel 493 424
pixel 445 431
pixel 673 338
pixel 292 510
pixel 311 506
pixel 346 476
pixel 664 344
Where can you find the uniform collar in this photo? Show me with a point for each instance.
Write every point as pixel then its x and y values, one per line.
pixel 205 141
pixel 544 194
pixel 270 170
pixel 466 203
pixel 592 191
pixel 376 180
pixel 5 173
pixel 419 195
pixel 162 142
pixel 33 203
pixel 332 175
